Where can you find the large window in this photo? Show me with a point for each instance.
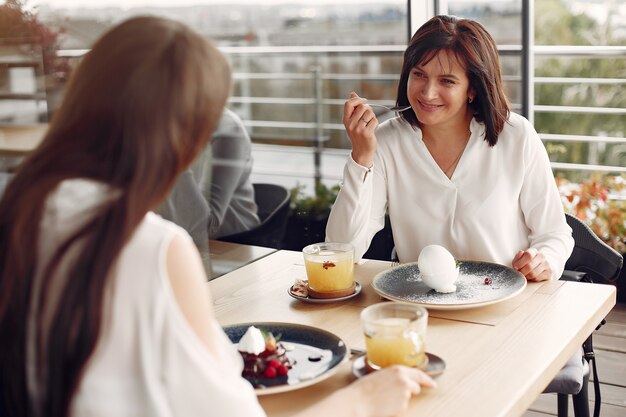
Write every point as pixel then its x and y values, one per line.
pixel 295 62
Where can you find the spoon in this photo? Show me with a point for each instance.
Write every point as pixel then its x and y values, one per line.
pixel 394 108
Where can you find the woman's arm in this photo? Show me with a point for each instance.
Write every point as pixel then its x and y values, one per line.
pixel 189 284
pixel 550 237
pixel 356 215
pixel 383 393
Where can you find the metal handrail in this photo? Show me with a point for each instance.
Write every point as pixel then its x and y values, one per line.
pixel 552 50
pixel 539 51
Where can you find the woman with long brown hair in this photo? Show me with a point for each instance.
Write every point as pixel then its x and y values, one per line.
pixel 104 309
pixel 457 168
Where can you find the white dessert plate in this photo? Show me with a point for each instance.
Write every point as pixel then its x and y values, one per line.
pixel 309 299
pixel 404 283
pixel 316 353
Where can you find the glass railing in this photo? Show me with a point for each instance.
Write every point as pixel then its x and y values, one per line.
pixel 291 99
pixel 301 103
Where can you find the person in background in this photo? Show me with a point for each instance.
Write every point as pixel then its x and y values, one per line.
pixel 457 169
pixel 214 197
pixel 104 308
pixel 231 198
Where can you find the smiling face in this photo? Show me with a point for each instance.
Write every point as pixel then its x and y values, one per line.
pixel 439 90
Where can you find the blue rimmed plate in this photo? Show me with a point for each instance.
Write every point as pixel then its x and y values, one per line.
pixel 316 353
pixel 404 283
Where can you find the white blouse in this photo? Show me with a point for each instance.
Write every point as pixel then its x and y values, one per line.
pixel 500 199
pixel 148 360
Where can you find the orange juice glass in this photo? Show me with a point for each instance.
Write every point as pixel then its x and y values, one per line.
pixel 395 334
pixel 329 266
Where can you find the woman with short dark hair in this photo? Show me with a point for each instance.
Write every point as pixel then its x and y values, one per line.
pixel 457 169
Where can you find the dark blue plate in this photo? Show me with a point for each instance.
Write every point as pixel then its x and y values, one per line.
pixel 316 354
pixel 404 283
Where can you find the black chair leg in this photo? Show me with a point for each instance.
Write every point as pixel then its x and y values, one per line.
pixel 562 404
pixel 581 400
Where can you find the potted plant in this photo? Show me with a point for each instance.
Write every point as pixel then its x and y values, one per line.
pixel 308 216
pixel 600 202
pixel 22 29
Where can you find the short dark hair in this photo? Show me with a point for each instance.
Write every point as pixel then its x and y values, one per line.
pixel 475 49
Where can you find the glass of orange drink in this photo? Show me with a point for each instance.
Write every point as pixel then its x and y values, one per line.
pixel 395 334
pixel 329 266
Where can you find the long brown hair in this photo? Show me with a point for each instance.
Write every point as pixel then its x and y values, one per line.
pixel 474 48
pixel 139 108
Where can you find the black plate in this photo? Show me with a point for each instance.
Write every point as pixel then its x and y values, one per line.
pixel 302 342
pixel 404 283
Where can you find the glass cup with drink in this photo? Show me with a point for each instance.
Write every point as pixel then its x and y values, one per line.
pixel 395 334
pixel 330 269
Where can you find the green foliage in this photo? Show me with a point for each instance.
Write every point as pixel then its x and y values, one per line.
pixel 316 206
pixel 556 25
pixel 598 202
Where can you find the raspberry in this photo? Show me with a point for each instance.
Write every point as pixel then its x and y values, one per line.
pixel 270 372
pixel 281 370
pixel 273 363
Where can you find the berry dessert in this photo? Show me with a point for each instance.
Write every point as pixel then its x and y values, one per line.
pixel 264 358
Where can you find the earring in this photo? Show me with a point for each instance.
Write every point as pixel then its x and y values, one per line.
pixel 470 99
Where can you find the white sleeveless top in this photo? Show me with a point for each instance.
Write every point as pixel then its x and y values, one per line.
pixel 148 360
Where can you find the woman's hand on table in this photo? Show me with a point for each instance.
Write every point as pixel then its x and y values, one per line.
pixel 387 392
pixel 360 123
pixel 383 393
pixel 533 265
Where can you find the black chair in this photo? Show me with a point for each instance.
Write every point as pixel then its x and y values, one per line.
pixel 273 203
pixel 591 261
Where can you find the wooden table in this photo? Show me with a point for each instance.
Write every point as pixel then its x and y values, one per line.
pixel 226 257
pixel 19 140
pixel 499 358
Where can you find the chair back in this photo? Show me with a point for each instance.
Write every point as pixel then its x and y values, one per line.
pixel 273 204
pixel 591 255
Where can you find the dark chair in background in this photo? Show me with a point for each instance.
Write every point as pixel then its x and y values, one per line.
pixel 273 203
pixel 591 261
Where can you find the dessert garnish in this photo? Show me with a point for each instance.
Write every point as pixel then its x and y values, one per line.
pixel 264 357
pixel 300 288
pixel 328 264
pixel 488 281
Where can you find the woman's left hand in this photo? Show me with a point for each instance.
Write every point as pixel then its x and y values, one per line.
pixel 533 265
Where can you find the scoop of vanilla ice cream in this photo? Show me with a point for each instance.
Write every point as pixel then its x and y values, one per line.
pixel 438 268
pixel 252 341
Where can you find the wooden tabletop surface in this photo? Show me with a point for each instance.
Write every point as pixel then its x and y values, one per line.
pixel 19 140
pixel 499 358
pixel 226 257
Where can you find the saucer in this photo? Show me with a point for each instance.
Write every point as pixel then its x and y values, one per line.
pixel 332 294
pixel 309 299
pixel 435 367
